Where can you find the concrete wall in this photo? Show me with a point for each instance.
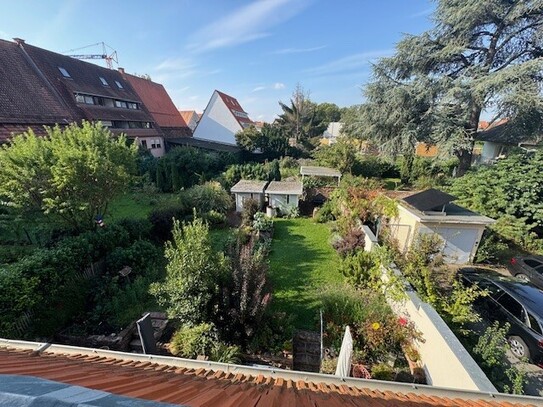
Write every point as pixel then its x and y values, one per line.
pixel 403 228
pixel 242 197
pixel 281 201
pixel 217 123
pixel 446 362
pixel 490 152
pixel 370 241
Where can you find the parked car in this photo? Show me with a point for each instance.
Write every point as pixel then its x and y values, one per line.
pixel 518 303
pixel 528 268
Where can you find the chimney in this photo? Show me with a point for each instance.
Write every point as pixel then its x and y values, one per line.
pixel 121 70
pixel 19 41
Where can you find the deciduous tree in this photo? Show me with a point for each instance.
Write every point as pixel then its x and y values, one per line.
pixel 72 173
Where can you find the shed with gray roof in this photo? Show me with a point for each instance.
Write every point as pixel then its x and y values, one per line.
pixel 248 189
pixel 284 195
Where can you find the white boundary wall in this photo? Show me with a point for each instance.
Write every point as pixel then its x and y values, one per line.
pixel 446 362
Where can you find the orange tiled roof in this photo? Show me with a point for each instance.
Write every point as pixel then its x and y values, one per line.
pixel 200 383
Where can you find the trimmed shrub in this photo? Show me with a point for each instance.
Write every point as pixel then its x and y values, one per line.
pixel 191 341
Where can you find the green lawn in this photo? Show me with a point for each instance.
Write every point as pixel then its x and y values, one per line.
pixel 302 261
pixel 136 205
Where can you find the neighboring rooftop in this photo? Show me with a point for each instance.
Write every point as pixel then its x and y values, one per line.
pixel 319 171
pixel 285 187
pixel 503 133
pixel 249 186
pixel 431 199
pixel 158 103
pixel 233 105
pixel 204 144
pixel 200 383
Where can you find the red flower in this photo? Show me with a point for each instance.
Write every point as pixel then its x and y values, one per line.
pixel 402 321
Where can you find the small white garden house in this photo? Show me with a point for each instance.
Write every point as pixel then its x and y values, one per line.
pixel 311 171
pixel 284 194
pixel 432 211
pixel 246 189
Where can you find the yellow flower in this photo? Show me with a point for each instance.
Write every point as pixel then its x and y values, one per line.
pixel 376 326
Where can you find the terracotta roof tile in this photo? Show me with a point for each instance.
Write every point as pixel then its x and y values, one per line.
pixel 157 380
pixel 233 105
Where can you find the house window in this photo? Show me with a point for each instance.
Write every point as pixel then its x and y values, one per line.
pixel 288 199
pixel 89 100
pixel 158 144
pixel 144 143
pixel 107 123
pixel 132 105
pixel 153 144
pixel 103 80
pixel 120 103
pixel 119 85
pixel 64 72
pixel 80 98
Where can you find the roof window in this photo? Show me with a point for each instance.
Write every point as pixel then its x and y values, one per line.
pixel 104 82
pixel 64 72
pixel 119 85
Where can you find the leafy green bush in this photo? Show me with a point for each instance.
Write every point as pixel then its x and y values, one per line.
pixel 223 353
pixel 191 341
pixel 162 217
pixel 351 242
pixel 250 208
pixel 382 371
pixel 262 223
pixel 361 269
pixel 374 167
pixel 210 196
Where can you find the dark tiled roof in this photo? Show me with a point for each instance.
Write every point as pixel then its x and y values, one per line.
pixel 190 385
pixel 503 133
pixel 85 79
pixel 233 105
pixel 203 144
pixel 429 199
pixel 157 101
pixel 25 97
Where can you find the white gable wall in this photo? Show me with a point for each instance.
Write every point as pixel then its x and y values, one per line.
pixel 217 123
pixel 278 201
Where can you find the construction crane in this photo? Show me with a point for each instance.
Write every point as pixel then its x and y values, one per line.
pixel 108 54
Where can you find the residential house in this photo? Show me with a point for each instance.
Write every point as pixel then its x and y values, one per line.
pixel 426 150
pixel 27 101
pixel 245 190
pixel 432 211
pixel 332 133
pixel 52 88
pixel 222 119
pixel 159 105
pixel 500 138
pixel 284 195
pixel 191 118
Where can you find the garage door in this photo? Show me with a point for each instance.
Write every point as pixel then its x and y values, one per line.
pixel 458 243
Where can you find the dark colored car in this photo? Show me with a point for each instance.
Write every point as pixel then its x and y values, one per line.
pixel 513 301
pixel 528 268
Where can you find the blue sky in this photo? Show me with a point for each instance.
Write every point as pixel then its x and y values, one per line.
pixel 256 51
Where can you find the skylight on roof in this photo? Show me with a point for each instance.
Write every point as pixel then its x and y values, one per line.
pixel 104 82
pixel 119 85
pixel 64 72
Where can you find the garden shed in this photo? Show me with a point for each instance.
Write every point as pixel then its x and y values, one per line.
pixel 248 189
pixel 433 211
pixel 284 195
pixel 307 170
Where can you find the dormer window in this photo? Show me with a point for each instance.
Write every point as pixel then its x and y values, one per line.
pixel 64 72
pixel 119 85
pixel 104 82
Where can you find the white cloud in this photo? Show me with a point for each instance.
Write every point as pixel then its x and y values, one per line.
pixel 297 50
pixel 279 85
pixel 246 24
pixel 422 13
pixel 175 64
pixel 348 63
pixel 258 89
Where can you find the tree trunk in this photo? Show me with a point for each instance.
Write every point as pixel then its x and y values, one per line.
pixel 464 161
pixel 465 155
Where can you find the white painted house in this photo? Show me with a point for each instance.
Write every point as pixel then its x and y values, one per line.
pixel 284 194
pixel 432 211
pixel 222 119
pixel 245 190
pixel 332 133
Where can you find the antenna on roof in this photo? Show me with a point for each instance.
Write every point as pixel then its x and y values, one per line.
pixel 108 54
